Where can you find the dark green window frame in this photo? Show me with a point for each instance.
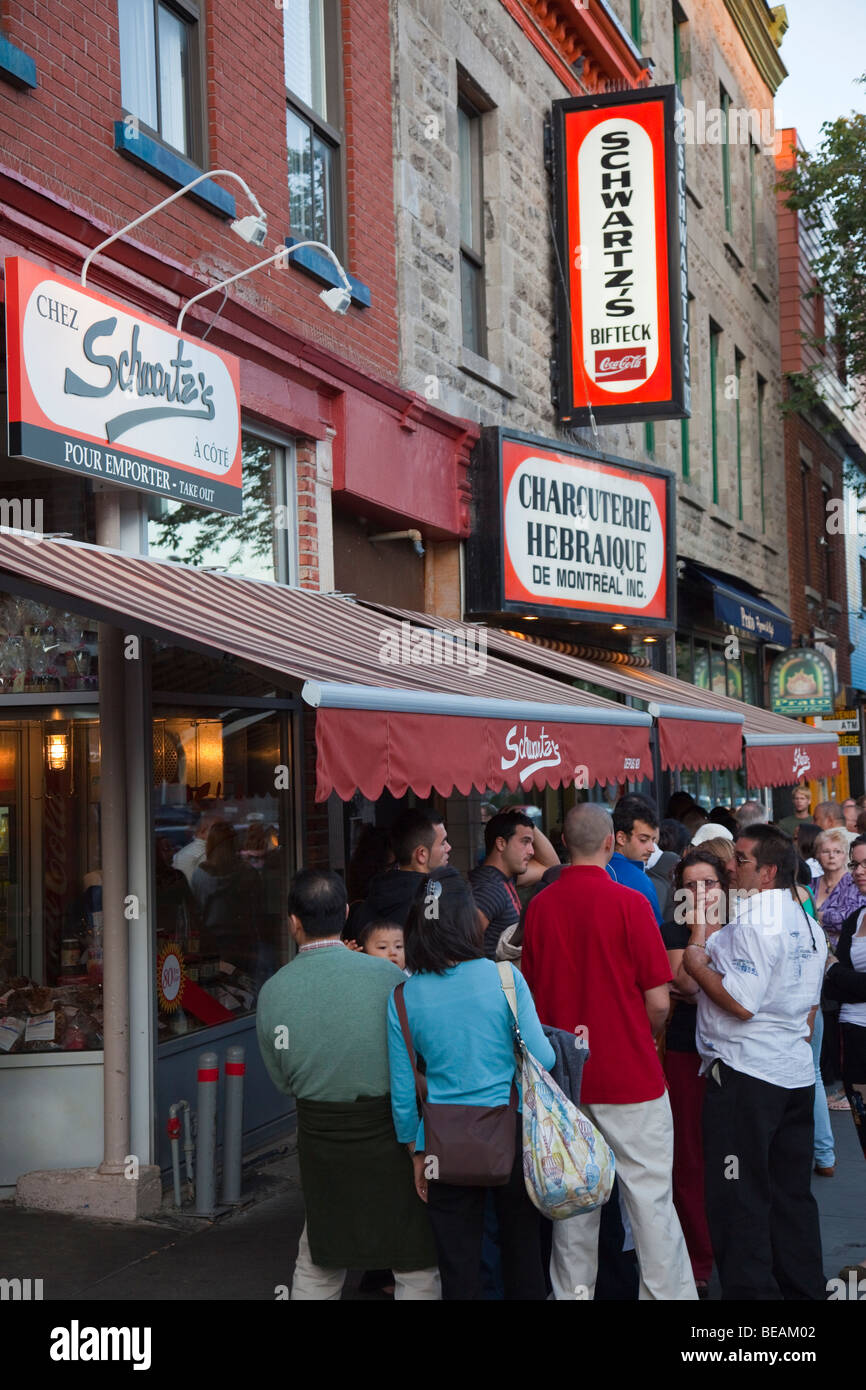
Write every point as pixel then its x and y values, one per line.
pixel 725 104
pixel 762 388
pixel 739 359
pixel 715 335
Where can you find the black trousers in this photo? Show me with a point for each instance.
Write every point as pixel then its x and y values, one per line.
pixel 457 1218
pixel 762 1216
pixel 854 1075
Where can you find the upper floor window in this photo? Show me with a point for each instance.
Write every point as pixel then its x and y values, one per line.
pixel 314 119
pixel 160 70
pixel 472 296
pixel 725 105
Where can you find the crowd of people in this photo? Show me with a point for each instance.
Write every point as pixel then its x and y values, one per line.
pixel 675 977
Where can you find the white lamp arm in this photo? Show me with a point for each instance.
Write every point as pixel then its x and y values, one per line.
pixel 282 254
pixel 130 226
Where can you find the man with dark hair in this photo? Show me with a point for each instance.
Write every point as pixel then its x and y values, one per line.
pixel 759 982
pixel 597 968
pixel 321 1024
pixel 420 845
pixel 636 826
pixel 517 856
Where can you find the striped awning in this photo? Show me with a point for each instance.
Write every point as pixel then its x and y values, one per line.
pixel 385 717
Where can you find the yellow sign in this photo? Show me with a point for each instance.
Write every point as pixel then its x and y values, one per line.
pixel 170 977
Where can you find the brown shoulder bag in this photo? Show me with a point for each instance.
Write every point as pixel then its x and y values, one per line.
pixel 472 1145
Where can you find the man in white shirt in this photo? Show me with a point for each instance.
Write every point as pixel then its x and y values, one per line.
pixel 760 981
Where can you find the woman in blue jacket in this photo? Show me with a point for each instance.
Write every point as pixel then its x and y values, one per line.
pixel 461 1030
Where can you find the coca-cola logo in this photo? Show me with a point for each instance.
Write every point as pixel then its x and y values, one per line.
pixel 629 364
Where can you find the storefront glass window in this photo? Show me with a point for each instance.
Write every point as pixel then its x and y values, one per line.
pixel 750 678
pixel 684 661
pixel 734 678
pixel 702 666
pixel 50 885
pixel 259 544
pixel 44 650
pixel 718 682
pixel 222 838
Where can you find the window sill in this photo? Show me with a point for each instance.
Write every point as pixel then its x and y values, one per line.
pixel 16 66
pixel 760 291
pixel 322 268
pixel 479 367
pixel 131 141
pixel 732 252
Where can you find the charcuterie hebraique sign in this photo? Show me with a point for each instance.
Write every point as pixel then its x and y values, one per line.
pixel 568 532
pixel 116 396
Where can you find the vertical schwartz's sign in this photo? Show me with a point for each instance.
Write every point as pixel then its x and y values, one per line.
pixel 117 396
pixel 620 206
pixel 571 533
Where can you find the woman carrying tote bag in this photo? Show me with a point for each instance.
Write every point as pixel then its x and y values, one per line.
pixel 460 1030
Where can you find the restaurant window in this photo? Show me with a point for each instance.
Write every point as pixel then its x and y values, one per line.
pixel 160 69
pixel 684 660
pixel 750 678
pixel 260 543
pixel 50 883
pixel 702 666
pixel 725 105
pixel 472 290
pixel 222 840
pixel 314 120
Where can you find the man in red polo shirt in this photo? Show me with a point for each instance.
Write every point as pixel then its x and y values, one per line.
pixel 594 959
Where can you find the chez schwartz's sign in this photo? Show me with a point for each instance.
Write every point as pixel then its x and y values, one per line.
pixel 620 218
pixel 116 396
pixel 567 532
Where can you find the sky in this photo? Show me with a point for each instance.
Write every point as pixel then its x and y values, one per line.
pixel 824 51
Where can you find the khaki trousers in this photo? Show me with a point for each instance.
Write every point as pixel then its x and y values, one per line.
pixel 313 1283
pixel 642 1139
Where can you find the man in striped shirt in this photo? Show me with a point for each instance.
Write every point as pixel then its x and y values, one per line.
pixel 517 856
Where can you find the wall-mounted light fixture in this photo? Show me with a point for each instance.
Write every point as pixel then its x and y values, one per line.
pixel 337 299
pixel 56 748
pixel 252 229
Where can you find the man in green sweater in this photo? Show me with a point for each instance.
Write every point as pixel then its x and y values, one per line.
pixel 322 1030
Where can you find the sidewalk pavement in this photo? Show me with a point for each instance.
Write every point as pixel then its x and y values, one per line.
pixel 250 1254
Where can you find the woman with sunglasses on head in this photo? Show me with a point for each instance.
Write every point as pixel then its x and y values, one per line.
pixel 460 1024
pixel 700 898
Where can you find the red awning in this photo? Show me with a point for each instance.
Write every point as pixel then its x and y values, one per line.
pixel 779 764
pixel 372 750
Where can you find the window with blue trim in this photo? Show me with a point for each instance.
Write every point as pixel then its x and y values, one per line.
pixel 160 71
pixel 314 120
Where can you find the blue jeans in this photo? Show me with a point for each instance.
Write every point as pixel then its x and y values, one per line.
pixel 825 1153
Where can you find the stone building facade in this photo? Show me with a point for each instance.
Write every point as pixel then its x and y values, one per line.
pixel 505 63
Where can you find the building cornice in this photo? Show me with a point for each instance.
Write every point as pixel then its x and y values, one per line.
pixel 565 31
pixel 761 27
